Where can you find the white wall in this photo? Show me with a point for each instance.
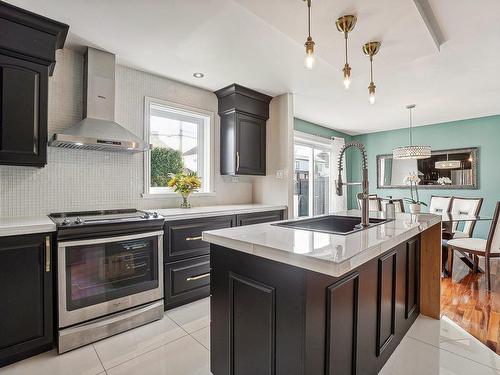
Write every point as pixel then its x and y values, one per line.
pixel 270 189
pixel 85 180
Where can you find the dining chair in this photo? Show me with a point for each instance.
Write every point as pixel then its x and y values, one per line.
pixel 439 205
pixel 465 206
pixel 373 203
pixel 398 204
pixel 479 247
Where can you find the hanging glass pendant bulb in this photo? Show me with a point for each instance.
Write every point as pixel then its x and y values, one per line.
pixel 310 60
pixel 345 24
pixel 370 49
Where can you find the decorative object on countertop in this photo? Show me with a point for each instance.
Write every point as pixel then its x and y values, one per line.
pixel 444 181
pixel 345 24
pixel 414 201
pixel 411 151
pixel 184 184
pixel 371 49
pixel 390 209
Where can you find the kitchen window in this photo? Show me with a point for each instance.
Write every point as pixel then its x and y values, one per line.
pixel 181 141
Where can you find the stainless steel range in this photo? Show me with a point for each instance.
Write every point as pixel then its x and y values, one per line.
pixel 110 274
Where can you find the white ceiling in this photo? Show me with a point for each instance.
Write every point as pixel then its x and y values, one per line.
pixel 259 44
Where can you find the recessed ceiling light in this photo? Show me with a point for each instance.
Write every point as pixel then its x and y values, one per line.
pixel 198 75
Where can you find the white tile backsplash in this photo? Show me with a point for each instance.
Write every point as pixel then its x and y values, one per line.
pixel 86 180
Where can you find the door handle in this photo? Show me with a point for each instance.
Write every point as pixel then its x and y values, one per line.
pixel 194 278
pixel 47 254
pixel 193 238
pixel 237 161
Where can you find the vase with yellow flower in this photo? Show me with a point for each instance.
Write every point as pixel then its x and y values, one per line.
pixel 184 184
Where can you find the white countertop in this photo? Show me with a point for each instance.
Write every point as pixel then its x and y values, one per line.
pixel 13 226
pixel 207 211
pixel 330 254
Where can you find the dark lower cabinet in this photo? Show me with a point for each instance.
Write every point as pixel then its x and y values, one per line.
pixel 271 318
pixel 26 312
pixel 27 57
pixel 186 281
pixel 187 265
pixel 259 217
pixel 182 238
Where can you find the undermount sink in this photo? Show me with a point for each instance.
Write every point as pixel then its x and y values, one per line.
pixel 334 224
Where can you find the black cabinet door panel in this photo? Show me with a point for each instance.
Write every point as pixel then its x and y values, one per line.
pixel 251 145
pixel 259 217
pixel 26 319
pixel 23 112
pixel 183 237
pixel 186 281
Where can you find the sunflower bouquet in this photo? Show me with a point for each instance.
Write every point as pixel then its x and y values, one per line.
pixel 184 184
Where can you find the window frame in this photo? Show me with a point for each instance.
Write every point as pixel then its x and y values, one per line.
pixel 207 117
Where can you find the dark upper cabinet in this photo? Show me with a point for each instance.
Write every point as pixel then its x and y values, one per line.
pixel 27 57
pixel 243 114
pixel 26 312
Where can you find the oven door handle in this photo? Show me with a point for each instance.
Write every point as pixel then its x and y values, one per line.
pixel 101 240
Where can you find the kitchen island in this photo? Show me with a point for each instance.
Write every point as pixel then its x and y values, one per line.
pixel 293 301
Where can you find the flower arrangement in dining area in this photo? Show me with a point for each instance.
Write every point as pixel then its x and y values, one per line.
pixel 414 201
pixel 184 183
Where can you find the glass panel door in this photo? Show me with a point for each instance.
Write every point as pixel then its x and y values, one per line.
pixel 311 179
pixel 321 183
pixel 102 272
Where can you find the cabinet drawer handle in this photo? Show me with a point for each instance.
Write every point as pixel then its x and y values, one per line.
pixel 193 238
pixel 237 161
pixel 47 254
pixel 193 278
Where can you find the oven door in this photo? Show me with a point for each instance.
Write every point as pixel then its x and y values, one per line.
pixel 105 275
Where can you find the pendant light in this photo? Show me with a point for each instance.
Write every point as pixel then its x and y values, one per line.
pixel 411 151
pixel 309 44
pixel 448 164
pixel 345 24
pixel 370 49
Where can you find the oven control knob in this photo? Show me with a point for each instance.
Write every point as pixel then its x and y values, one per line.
pixel 155 214
pixel 66 221
pixel 78 221
pixel 146 215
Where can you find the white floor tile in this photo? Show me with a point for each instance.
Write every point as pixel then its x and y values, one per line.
pixel 203 337
pixel 184 356
pixel 120 348
pixel 447 335
pixel 192 317
pixel 413 357
pixel 83 361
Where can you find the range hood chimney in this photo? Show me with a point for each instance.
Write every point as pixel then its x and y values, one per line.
pixel 98 129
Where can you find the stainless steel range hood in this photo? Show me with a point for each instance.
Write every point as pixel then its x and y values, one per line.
pixel 98 130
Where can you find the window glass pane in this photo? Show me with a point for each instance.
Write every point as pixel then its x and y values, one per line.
pixel 178 145
pixel 321 181
pixel 302 159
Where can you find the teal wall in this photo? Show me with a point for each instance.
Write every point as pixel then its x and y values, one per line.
pixel 481 132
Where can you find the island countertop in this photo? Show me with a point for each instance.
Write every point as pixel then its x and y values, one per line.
pixel 330 254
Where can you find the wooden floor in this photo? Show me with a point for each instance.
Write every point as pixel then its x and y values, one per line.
pixel 465 300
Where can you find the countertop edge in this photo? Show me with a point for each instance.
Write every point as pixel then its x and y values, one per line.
pixel 317 264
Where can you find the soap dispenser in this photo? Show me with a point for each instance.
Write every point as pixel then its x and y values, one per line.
pixel 390 209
